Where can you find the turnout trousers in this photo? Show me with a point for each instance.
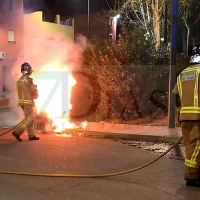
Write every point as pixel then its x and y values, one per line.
pixel 191 137
pixel 27 123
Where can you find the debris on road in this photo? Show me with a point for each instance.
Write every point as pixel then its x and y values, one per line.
pixel 157 148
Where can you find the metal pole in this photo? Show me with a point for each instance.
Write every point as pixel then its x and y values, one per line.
pixel 88 18
pixel 172 78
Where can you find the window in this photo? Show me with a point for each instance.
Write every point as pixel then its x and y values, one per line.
pixel 110 21
pixel 11 37
pixel 110 37
pixel 5 78
pixel 69 22
pixel 10 5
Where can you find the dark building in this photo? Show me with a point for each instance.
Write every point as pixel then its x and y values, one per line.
pixel 96 25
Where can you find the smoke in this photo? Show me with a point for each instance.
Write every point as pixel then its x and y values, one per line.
pixel 45 54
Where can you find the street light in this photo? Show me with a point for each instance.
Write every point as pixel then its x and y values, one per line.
pixel 115 26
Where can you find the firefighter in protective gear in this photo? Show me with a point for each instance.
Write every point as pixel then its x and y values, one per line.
pixel 27 92
pixel 187 89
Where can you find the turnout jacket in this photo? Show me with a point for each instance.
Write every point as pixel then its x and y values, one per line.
pixel 26 91
pixel 188 89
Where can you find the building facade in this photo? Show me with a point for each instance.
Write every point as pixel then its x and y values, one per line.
pixel 21 36
pixel 11 40
pixel 41 33
pixel 96 25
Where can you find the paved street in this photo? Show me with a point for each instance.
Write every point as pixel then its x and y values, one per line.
pixel 162 180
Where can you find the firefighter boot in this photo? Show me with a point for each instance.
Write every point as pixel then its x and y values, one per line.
pixel 34 138
pixel 193 182
pixel 16 136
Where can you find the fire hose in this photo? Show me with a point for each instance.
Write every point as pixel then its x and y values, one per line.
pixel 12 128
pixel 89 175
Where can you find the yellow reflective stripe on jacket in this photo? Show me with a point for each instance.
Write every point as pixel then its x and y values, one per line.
pixel 24 80
pixel 190 110
pixel 196 88
pixel 20 88
pixel 192 163
pixel 191 69
pixel 179 86
pixel 25 101
pixel 195 107
pixel 20 91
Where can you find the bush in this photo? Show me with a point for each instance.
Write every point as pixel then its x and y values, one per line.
pixel 125 73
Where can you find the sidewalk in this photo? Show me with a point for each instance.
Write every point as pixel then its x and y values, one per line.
pixel 126 131
pixel 133 132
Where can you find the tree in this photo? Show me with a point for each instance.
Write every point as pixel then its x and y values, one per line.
pixel 142 14
pixel 189 12
pixel 157 7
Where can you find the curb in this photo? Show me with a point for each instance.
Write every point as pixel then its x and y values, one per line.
pixel 141 137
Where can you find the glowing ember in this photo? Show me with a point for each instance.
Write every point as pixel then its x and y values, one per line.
pixel 54 86
pixel 84 124
pixel 63 135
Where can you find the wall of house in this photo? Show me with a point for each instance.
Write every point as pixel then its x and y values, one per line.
pixel 20 34
pixel 11 37
pixel 38 32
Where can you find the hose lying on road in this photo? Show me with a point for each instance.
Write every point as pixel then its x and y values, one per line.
pixel 7 131
pixel 12 129
pixel 95 175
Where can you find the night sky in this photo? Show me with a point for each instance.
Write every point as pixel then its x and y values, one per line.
pixel 63 7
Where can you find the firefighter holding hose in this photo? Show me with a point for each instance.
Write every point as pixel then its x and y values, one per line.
pixel 187 93
pixel 27 92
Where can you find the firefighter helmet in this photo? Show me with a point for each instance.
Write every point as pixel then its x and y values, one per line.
pixel 195 59
pixel 26 68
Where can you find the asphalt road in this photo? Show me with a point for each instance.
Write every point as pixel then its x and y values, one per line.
pixel 162 180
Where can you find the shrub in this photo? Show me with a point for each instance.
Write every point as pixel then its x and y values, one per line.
pixel 127 73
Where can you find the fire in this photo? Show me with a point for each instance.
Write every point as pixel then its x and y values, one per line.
pixel 54 85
